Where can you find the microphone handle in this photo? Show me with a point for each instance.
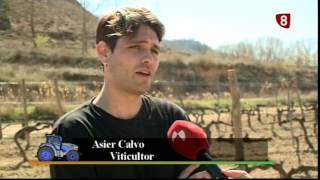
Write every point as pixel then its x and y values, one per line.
pixel 213 169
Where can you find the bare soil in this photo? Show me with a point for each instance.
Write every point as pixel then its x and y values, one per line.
pixel 281 148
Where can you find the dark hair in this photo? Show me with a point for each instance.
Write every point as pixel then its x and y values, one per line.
pixel 125 22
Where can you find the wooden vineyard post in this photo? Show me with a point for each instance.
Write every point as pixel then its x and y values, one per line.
pixel 25 110
pixel 58 97
pixel 0 128
pixel 316 113
pixel 316 119
pixel 296 89
pixel 236 115
pixel 218 98
pixel 289 116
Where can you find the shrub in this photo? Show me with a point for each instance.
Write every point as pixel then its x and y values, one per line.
pixel 41 40
pixel 43 112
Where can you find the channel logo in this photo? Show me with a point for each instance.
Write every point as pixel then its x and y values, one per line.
pixel 283 20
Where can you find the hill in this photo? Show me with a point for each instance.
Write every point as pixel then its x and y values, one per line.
pixel 186 46
pixel 62 21
pixel 60 55
pixel 54 26
pixel 59 18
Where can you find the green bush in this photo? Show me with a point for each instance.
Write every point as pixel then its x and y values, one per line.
pixel 43 112
pixel 4 19
pixel 41 40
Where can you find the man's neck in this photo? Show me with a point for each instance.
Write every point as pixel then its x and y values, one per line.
pixel 119 104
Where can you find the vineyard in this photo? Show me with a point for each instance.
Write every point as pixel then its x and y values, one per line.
pixel 264 89
pixel 283 113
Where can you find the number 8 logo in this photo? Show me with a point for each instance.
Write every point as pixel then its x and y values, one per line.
pixel 283 20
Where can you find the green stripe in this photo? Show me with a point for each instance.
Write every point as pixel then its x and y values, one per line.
pixel 159 162
pixel 193 162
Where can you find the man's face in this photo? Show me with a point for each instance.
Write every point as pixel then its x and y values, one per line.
pixel 134 61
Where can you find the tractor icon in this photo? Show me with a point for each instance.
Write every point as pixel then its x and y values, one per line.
pixel 53 147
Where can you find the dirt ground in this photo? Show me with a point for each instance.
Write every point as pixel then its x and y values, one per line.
pixel 9 154
pixel 281 147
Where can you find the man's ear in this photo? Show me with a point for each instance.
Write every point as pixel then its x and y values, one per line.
pixel 103 52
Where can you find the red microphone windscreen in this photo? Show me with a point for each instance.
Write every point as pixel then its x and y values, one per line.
pixel 187 138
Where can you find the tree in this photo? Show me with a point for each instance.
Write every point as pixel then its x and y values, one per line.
pixel 4 20
pixel 304 52
pixel 269 49
pixel 32 24
pixel 314 56
pixel 244 51
pixel 84 44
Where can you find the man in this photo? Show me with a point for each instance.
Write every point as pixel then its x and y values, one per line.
pixel 128 46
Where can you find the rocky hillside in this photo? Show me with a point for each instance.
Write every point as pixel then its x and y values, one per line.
pixel 58 18
pixel 61 21
pixel 186 46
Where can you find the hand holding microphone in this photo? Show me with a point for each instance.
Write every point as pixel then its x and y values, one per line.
pixel 190 141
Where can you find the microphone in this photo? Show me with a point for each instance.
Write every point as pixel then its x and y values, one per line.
pixel 190 140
